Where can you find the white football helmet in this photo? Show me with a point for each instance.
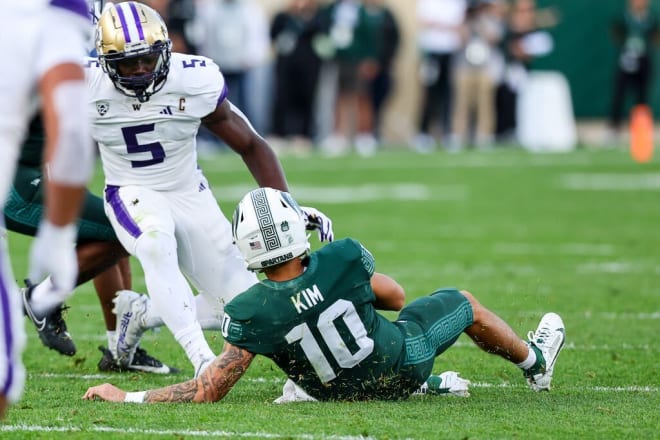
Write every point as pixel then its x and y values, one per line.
pixel 269 228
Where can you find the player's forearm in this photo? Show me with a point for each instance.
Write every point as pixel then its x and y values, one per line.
pixel 212 385
pixel 63 203
pixel 266 168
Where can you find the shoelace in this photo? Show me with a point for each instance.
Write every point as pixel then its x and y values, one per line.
pixel 540 336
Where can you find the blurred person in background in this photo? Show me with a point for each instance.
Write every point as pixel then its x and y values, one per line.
pixel 293 33
pixel 478 70
pixel 234 34
pixel 388 43
pixel 526 39
pixel 438 39
pixel 354 38
pixel 178 15
pixel 635 33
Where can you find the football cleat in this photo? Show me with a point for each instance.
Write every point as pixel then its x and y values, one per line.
pixel 447 383
pixel 142 362
pixel 130 308
pixel 549 339
pixel 51 328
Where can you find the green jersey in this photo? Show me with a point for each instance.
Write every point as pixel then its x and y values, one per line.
pixel 322 329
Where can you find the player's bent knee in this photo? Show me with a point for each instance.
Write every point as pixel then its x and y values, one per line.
pixel 157 249
pixel 476 305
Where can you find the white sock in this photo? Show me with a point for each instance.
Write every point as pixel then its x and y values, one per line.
pixel 193 342
pixel 45 297
pixel 112 338
pixel 151 318
pixel 530 361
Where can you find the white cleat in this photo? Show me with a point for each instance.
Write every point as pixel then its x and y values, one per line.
pixel 549 337
pixel 130 308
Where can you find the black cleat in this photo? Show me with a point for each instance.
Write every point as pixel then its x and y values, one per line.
pixel 51 328
pixel 141 362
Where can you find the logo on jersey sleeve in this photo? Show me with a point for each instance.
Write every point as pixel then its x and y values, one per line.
pixel 231 329
pixel 102 107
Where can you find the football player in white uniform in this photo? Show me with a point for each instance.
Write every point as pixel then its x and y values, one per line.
pixel 42 61
pixel 146 105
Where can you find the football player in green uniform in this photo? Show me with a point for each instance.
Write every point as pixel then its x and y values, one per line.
pixel 315 316
pixel 100 257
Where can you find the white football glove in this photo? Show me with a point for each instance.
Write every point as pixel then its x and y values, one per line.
pixel 293 393
pixel 448 383
pixel 316 220
pixel 53 253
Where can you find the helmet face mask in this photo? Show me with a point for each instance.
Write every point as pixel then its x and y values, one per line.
pixel 269 229
pixel 130 34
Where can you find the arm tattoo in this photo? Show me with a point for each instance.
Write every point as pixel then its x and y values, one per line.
pixel 213 384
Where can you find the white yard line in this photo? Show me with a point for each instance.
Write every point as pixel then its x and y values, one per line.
pixel 175 432
pixel 578 249
pixel 280 381
pixel 402 191
pixel 320 165
pixel 610 182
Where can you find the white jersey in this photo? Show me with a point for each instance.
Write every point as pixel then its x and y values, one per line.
pixel 152 144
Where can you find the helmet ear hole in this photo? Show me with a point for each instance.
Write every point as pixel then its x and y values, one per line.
pixel 269 229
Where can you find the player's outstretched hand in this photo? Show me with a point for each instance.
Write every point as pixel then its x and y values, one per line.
pixel 106 392
pixel 318 221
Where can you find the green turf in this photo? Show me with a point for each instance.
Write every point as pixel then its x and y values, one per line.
pixel 578 234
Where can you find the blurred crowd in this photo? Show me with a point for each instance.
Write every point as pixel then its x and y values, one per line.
pixel 319 74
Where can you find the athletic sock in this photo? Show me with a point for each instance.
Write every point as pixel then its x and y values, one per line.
pixel 535 362
pixel 194 344
pixel 45 298
pixel 111 335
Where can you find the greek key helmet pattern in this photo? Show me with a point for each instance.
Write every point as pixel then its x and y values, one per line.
pixel 265 219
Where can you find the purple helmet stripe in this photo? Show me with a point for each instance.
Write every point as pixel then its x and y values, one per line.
pixel 76 6
pixel 122 215
pixel 122 19
pixel 6 330
pixel 136 17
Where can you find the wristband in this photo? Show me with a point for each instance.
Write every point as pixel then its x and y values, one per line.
pixel 137 397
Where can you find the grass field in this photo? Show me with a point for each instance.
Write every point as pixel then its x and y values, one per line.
pixel 578 234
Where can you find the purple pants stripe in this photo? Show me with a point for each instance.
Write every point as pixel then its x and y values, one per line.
pixel 122 215
pixel 7 331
